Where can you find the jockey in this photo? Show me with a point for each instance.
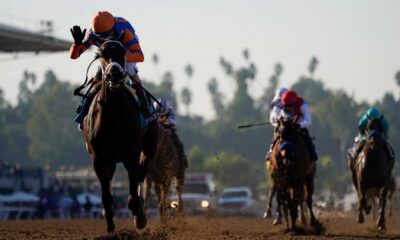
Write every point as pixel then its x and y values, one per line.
pixel 360 140
pixel 294 106
pixel 167 118
pixel 107 27
pixel 274 115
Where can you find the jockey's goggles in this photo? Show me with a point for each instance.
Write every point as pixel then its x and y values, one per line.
pixel 289 107
pixel 105 35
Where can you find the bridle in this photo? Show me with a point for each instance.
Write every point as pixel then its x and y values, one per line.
pixel 111 80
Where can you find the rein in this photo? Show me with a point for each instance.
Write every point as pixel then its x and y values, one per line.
pixel 77 91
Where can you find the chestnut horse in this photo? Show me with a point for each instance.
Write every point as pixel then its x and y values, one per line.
pixel 295 172
pixel 113 133
pixel 372 171
pixel 164 170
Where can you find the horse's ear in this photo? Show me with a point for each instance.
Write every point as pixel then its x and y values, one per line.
pixel 97 55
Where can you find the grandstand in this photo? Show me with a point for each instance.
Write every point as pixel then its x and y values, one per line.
pixel 14 39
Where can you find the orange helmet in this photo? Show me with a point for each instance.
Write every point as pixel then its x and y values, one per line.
pixel 102 22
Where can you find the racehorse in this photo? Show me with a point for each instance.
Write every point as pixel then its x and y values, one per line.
pixel 372 171
pixel 113 133
pixel 295 172
pixel 163 170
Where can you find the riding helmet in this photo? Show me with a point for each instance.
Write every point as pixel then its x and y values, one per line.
pixel 373 113
pixel 289 98
pixel 102 22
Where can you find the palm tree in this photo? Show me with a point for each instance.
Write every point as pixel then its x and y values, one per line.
pixel 313 65
pixel 186 94
pixel 186 97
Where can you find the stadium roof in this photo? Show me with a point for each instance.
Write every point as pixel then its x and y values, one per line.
pixel 13 39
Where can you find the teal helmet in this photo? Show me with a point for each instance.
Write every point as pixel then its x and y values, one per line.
pixel 373 113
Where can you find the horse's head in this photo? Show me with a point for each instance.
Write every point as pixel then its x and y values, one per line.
pixel 286 129
pixel 112 60
pixel 374 131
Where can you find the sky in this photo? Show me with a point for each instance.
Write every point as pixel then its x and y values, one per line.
pixel 357 42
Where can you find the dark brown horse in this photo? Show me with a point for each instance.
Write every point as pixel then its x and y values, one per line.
pixel 113 133
pixel 372 172
pixel 163 171
pixel 295 172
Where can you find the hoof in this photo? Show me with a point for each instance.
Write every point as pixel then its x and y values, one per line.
pixel 140 221
pixel 174 204
pixel 267 214
pixel 314 223
pixel 381 224
pixel 110 227
pixel 109 219
pixel 360 218
pixel 277 221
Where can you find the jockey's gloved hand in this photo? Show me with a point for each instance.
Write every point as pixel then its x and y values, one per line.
pixel 77 34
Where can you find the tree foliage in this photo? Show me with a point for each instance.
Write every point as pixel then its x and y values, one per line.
pixel 40 130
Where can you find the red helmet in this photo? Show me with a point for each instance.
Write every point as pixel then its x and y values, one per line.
pixel 289 98
pixel 102 22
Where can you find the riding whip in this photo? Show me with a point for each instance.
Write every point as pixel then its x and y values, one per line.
pixel 254 125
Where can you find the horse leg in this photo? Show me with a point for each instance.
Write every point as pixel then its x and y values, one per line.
pixel 105 174
pixel 309 201
pixel 161 202
pixel 179 186
pixel 268 212
pixel 278 218
pixel 134 202
pixel 302 215
pixel 389 201
pixel 361 205
pixel 146 192
pixel 374 207
pixel 382 204
pixel 283 204
pixel 157 189
pixel 293 205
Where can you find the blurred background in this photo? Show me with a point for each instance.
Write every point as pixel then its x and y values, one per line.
pixel 219 64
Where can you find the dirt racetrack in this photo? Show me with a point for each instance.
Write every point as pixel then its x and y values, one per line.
pixel 337 226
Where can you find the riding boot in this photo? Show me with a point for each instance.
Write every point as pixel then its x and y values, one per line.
pixel 145 107
pixel 310 145
pixel 84 106
pixel 179 145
